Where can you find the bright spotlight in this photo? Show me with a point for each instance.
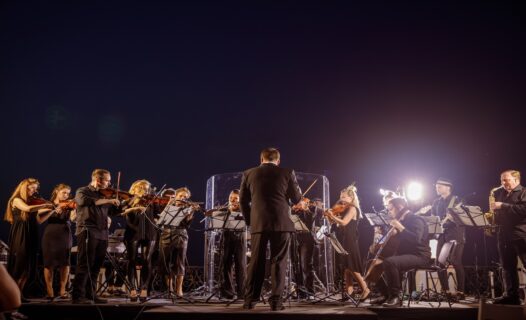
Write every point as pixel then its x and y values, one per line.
pixel 382 192
pixel 414 191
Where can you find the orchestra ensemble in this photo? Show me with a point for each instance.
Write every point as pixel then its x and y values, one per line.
pixel 156 238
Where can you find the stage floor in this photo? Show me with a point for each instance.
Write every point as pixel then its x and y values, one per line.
pixel 121 308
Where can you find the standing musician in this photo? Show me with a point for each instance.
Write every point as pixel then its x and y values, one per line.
pixel 174 238
pixel 141 233
pixel 264 197
pixel 304 245
pixel 233 252
pixel 23 212
pixel 413 251
pixel 441 208
pixel 92 235
pixel 510 217
pixel 347 233
pixel 57 239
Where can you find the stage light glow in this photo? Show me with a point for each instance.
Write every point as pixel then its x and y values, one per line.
pixel 414 191
pixel 382 192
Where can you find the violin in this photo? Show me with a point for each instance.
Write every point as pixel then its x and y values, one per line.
pixel 338 208
pixel 305 204
pixel 69 204
pixel 36 201
pixel 115 193
pixel 187 203
pixel 153 199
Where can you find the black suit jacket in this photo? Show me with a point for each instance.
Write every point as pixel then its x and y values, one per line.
pixel 264 198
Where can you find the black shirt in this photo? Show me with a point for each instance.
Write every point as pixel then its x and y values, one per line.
pixel 90 216
pixel 413 240
pixel 440 208
pixel 512 216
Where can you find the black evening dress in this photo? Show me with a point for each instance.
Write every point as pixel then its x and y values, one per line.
pixel 57 240
pixel 23 245
pixel 348 237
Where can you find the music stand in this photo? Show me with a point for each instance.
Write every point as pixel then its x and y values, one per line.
pixel 226 221
pixel 471 216
pixel 434 225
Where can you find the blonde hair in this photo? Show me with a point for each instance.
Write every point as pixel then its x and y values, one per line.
pixel 351 191
pixel 134 189
pixel 183 189
pixel 56 190
pixel 20 192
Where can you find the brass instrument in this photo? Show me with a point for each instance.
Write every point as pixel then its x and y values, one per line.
pixel 490 215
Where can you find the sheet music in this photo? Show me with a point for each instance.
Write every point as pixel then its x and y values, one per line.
pixel 299 225
pixel 234 220
pixel 471 216
pixel 434 225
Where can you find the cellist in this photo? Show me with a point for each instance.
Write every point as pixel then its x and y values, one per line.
pixel 413 251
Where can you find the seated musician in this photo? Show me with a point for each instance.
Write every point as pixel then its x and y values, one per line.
pixel 233 253
pixel 174 236
pixel 413 251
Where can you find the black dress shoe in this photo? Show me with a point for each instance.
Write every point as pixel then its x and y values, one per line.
pixel 392 303
pixel 378 300
pixel 81 301
pixel 248 305
pixel 516 301
pixel 277 306
pixel 99 300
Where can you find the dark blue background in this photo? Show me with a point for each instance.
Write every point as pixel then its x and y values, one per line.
pixel 379 92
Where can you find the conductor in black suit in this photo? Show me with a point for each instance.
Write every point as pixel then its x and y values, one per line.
pixel 266 194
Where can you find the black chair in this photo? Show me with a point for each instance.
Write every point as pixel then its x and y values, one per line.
pixel 441 265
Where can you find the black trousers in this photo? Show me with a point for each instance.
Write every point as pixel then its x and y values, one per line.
pixel 147 250
pixel 396 265
pixel 509 250
pixel 172 255
pixel 90 256
pixel 233 258
pixel 302 258
pixel 279 251
pixel 456 261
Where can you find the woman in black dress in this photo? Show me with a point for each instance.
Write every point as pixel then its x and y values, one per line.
pixel 140 233
pixel 347 234
pixel 57 240
pixel 23 216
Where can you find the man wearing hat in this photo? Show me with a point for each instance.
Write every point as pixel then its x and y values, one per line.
pixel 442 208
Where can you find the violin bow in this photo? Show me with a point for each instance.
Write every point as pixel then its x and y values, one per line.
pixel 118 183
pixel 310 187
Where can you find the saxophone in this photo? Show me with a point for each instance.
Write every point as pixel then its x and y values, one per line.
pixel 490 215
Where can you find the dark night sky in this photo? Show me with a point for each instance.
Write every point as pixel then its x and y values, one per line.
pixel 378 93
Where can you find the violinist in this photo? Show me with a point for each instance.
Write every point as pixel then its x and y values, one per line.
pixel 93 209
pixel 413 251
pixel 57 239
pixel 174 236
pixel 303 249
pixel 233 252
pixel 22 213
pixel 140 233
pixel 346 214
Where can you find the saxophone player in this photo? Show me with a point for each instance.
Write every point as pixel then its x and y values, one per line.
pixel 510 218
